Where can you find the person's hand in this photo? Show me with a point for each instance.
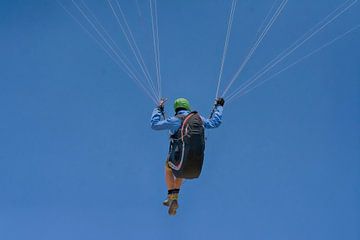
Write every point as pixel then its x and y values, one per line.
pixel 219 102
pixel 161 105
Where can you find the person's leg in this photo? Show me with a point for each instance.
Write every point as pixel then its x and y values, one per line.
pixel 169 177
pixel 173 185
pixel 177 183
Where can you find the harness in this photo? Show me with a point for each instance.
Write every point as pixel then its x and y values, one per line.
pixel 187 146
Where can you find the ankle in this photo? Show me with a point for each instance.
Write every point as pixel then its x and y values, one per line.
pixel 173 194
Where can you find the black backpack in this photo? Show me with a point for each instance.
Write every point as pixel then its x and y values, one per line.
pixel 187 147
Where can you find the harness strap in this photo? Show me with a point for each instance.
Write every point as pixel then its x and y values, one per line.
pixel 184 123
pixel 183 120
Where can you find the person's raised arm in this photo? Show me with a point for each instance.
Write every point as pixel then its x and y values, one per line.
pixel 216 116
pixel 158 121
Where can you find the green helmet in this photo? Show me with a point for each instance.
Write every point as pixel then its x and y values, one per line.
pixel 182 103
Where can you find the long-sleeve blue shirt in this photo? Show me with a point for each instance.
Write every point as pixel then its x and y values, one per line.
pixel 173 123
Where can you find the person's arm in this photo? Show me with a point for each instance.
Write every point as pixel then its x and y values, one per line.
pixel 171 123
pixel 215 120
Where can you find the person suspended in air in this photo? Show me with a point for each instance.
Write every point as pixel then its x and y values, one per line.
pixel 187 143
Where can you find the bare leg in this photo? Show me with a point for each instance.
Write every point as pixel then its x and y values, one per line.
pixel 173 185
pixel 169 178
pixel 177 183
pixel 171 181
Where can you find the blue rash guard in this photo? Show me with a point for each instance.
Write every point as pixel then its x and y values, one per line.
pixel 173 123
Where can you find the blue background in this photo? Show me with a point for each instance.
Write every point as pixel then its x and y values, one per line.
pixel 78 159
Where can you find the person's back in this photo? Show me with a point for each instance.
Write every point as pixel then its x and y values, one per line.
pixel 187 143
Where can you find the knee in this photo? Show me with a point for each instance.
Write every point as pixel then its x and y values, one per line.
pixel 167 168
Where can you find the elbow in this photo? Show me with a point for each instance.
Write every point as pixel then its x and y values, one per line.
pixel 155 126
pixel 218 124
pixel 213 124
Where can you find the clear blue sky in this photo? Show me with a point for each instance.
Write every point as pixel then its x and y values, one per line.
pixel 78 159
